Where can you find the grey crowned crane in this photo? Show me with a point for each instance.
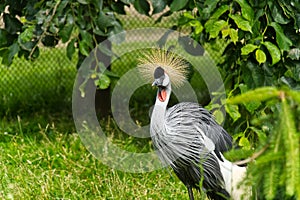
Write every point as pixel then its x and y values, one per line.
pixel 186 135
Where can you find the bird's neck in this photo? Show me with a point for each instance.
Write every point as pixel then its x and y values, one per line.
pixel 160 108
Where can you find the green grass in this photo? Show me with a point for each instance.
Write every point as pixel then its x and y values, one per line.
pixel 42 156
pixel 48 161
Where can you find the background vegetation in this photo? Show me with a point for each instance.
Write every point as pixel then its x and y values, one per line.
pixel 262 55
pixel 42 156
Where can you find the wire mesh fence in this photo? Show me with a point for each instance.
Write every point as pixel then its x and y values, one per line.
pixel 33 85
pixel 48 81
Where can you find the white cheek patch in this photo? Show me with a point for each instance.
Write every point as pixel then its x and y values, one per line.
pixel 166 80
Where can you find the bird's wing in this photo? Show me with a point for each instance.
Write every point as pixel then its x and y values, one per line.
pixel 194 116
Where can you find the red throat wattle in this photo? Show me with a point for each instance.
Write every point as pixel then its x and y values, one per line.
pixel 162 95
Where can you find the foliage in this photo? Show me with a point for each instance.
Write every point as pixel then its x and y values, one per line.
pixel 78 24
pixel 262 48
pixel 262 38
pixel 261 54
pixel 276 170
pixel 28 24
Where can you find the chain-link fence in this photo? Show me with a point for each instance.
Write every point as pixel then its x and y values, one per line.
pixel 47 82
pixel 44 83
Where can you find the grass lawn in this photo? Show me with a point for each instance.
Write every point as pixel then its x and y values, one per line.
pixel 43 158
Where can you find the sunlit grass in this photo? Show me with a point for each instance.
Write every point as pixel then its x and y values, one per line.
pixel 42 161
pixel 42 156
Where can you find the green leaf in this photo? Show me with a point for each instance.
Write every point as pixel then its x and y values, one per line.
pixel 247 11
pixel 250 106
pixel 188 15
pixel 65 33
pixel 219 12
pixel 142 6
pixel 3 38
pixel 105 49
pixel 260 56
pixel 241 23
pixel 256 76
pixel 260 134
pixel 12 25
pixel 4 54
pixel 219 116
pixel 278 13
pixel 84 2
pixel 248 48
pixel 209 6
pixel 103 82
pixel 216 27
pixel 198 26
pixel 71 49
pixel 104 21
pixel 178 4
pixel 13 50
pixel 283 42
pixel 27 34
pixel 259 94
pixel 215 17
pixel 87 38
pixel 274 52
pixel 244 142
pixel 84 48
pixel 86 42
pixel 233 111
pixel 234 35
pixel 225 32
pixel 158 6
pixel 99 4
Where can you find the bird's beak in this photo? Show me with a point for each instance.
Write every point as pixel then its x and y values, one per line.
pixel 157 82
pixel 154 83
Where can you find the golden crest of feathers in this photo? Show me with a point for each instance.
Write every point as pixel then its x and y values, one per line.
pixel 174 66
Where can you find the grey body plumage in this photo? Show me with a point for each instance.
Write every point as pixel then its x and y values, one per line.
pixel 190 142
pixel 186 135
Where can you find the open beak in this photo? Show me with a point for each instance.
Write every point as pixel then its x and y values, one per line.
pixel 161 93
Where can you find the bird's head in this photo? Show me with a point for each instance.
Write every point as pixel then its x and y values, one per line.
pixel 162 81
pixel 165 66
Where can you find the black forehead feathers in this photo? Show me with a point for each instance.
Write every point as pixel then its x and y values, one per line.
pixel 159 72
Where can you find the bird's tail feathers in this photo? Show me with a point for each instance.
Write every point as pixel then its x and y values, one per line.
pixel 233 176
